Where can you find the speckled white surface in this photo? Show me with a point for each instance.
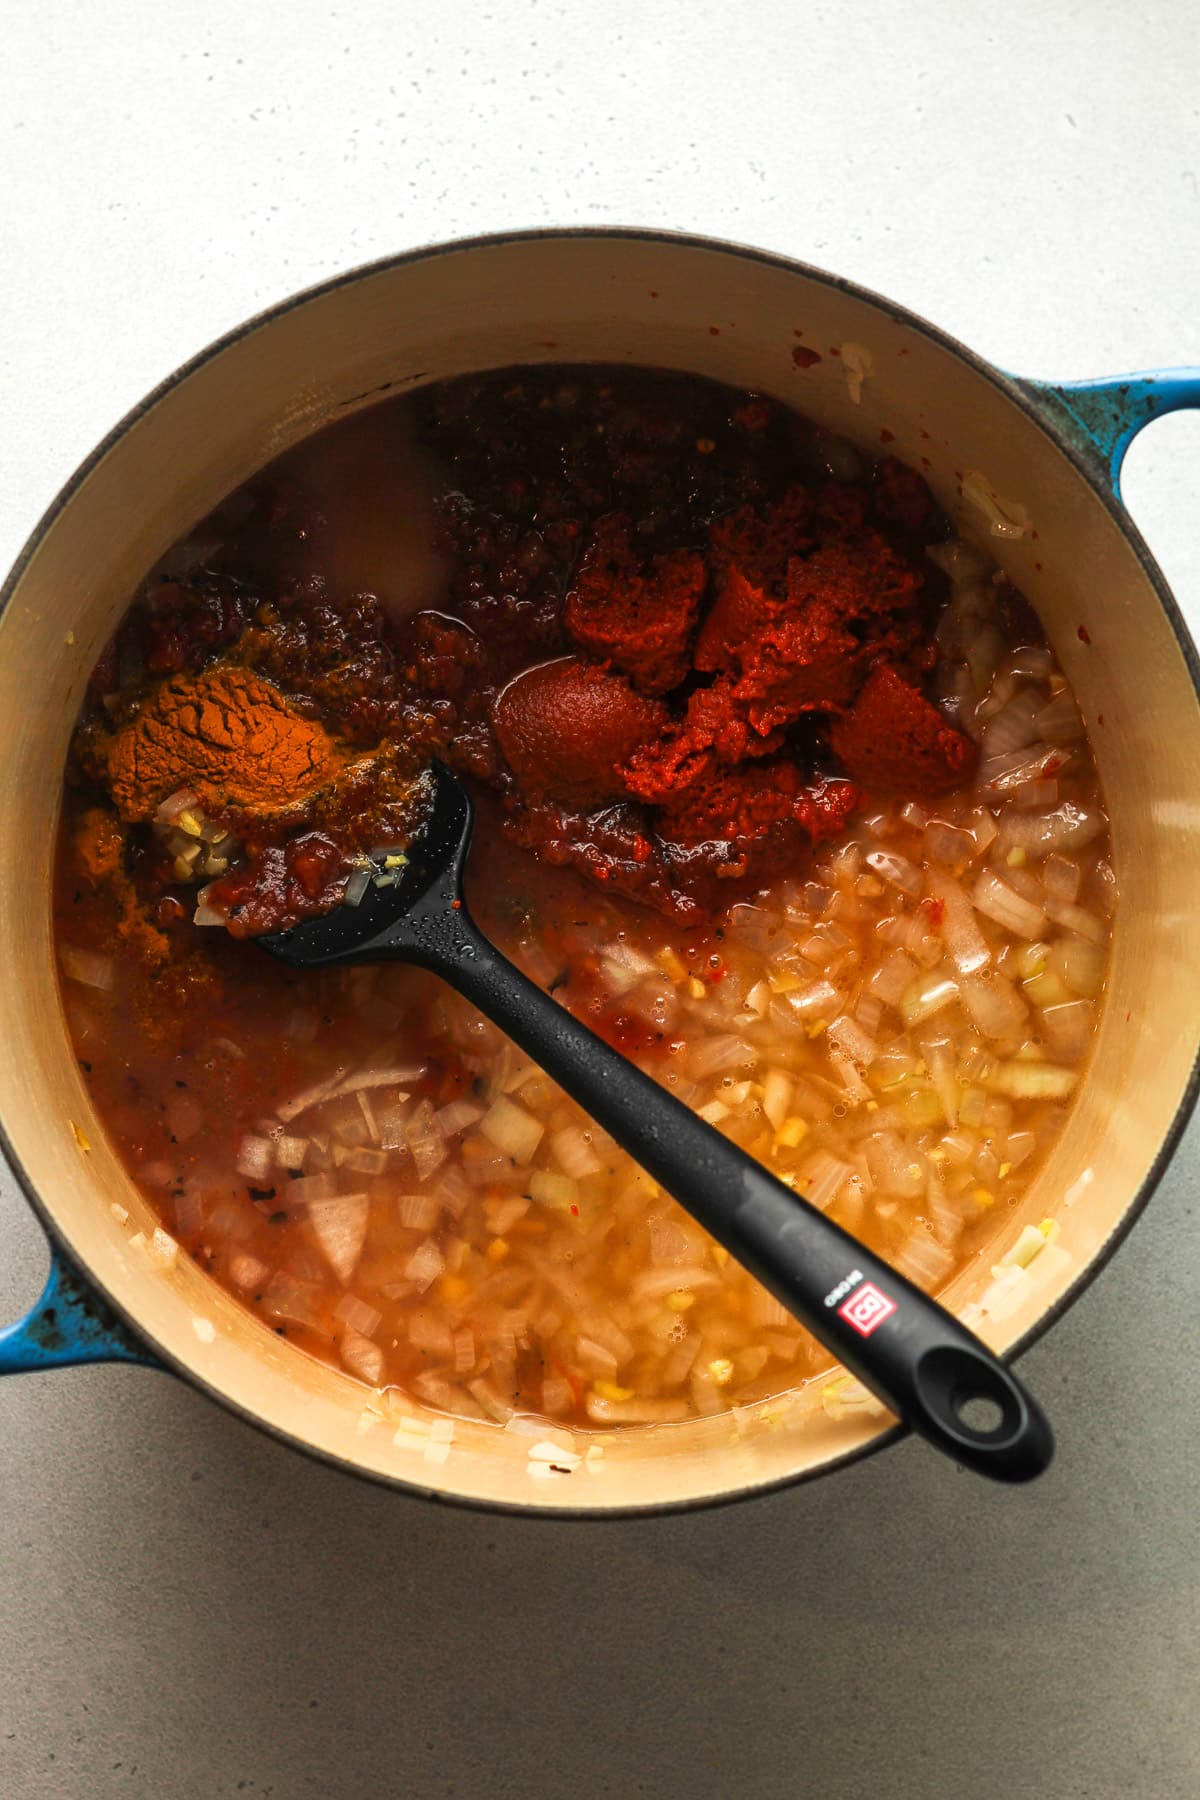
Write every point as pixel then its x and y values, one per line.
pixel 189 1610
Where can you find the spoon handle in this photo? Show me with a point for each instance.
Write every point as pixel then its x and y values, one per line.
pixel 911 1352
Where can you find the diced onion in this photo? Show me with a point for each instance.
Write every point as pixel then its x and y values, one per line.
pixel 928 997
pixel 1076 919
pixel 339 1225
pixel 87 967
pixel 457 1116
pixel 1031 1081
pixel 361 1357
pixel 897 870
pixel 994 1006
pixel 425 1140
pixel 557 1191
pixel 511 1129
pixel 848 1036
pixel 358 1315
pixel 255 1158
pixel 425 1265
pixel 965 943
pixel 998 901
pixel 575 1152
pixel 1069 827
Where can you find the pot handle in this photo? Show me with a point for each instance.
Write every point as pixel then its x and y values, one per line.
pixel 1101 418
pixel 69 1324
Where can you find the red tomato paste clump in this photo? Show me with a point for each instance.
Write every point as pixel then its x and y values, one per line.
pixel 894 741
pixel 566 726
pixel 740 804
pixel 641 622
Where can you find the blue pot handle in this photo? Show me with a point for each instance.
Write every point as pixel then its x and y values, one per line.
pixel 72 1324
pixel 69 1324
pixel 1102 418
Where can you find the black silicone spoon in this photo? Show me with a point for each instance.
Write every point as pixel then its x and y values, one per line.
pixel 912 1353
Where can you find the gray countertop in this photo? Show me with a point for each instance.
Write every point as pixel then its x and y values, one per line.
pixel 187 1609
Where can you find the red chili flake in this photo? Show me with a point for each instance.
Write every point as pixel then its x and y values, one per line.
pixel 1038 567
pixel 886 436
pixel 654 293
pixel 834 351
pixel 804 358
pixel 714 331
pixel 456 906
pixel 1099 718
pixel 936 910
pixel 574 1211
pixel 1084 635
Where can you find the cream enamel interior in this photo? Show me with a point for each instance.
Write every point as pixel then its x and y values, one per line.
pixel 589 298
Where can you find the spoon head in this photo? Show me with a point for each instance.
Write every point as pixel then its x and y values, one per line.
pixel 402 919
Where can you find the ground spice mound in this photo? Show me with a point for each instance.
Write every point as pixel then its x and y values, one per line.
pixel 227 734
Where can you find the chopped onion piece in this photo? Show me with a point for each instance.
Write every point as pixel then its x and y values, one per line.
pixel 949 845
pixel 965 943
pixel 417 1212
pixel 87 967
pixel 994 1006
pixel 894 1167
pixel 998 901
pixel 290 1152
pixel 357 883
pixel 1079 964
pixel 425 1265
pixel 653 1284
pixel 1076 919
pixel 185 1116
pixel 511 1129
pixel 1061 878
pixel 255 1158
pixel 1068 1029
pixel 425 1140
pixel 309 1187
pixel 1031 1081
pixel 927 997
pixel 893 978
pixel 457 1116
pixel 286 1297
pixel 823 1179
pixel 339 1225
pixel 897 870
pixel 1069 827
pixel 820 997
pixel 361 1357
pixel 923 1259
pixel 1059 721
pixel 247 1272
pixel 714 1055
pixel 848 1036
pixel 358 1315
pixel 557 1191
pixel 574 1149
